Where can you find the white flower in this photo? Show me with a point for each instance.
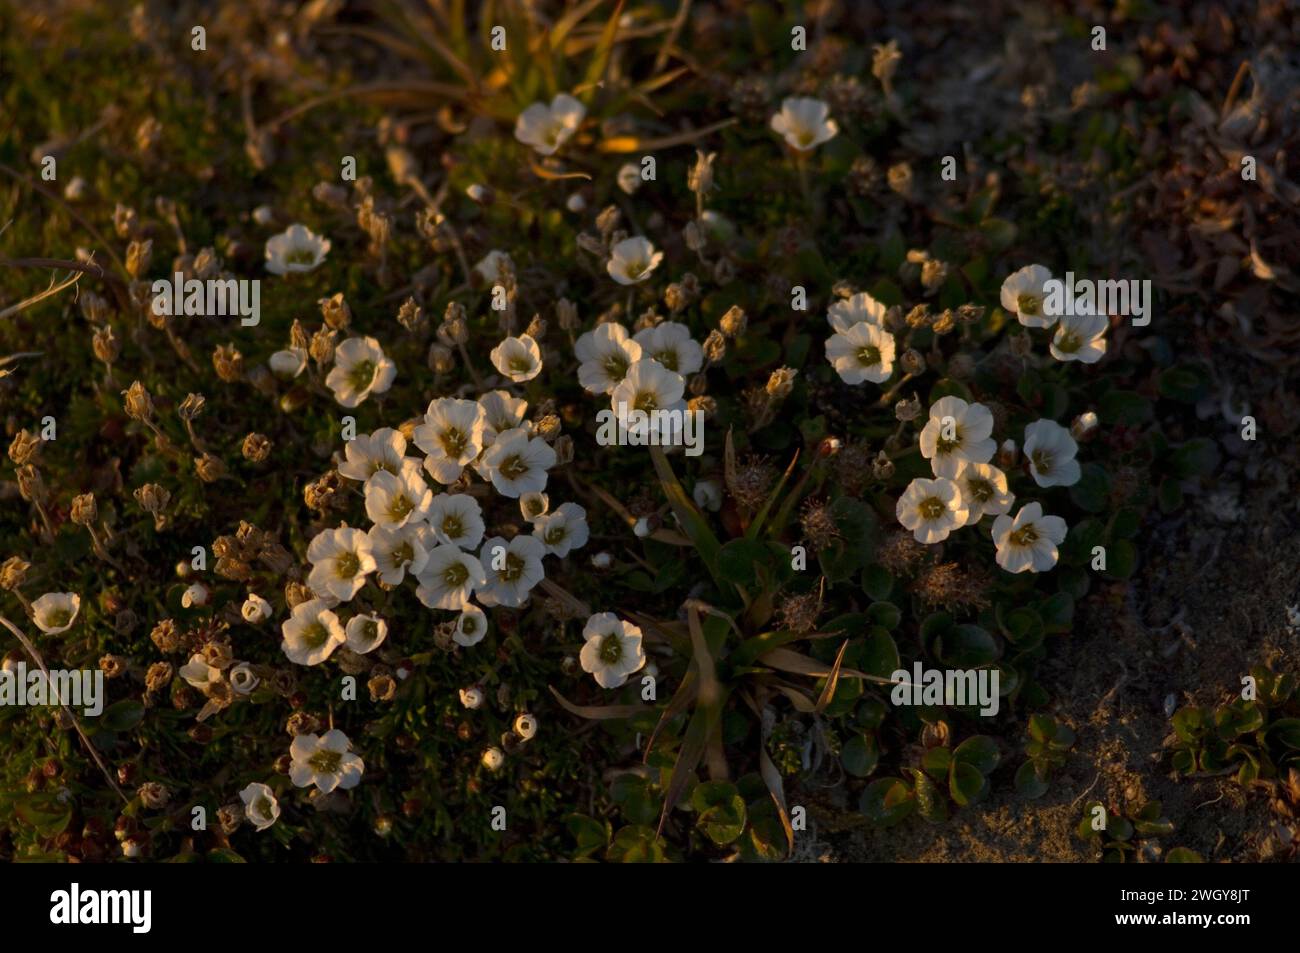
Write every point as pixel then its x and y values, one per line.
pixel 456 520
pixel 471 698
pixel 629 177
pixel 311 633
pixel 451 435
pixel 648 387
pixel 707 495
pixel 931 509
pixel 471 626
pixel 325 761
pixel 1050 450
pixel 449 578
pixel 297 248
pixel 518 358
pixel 397 500
pixel 1080 337
pixel 1024 294
pixel 861 307
pixel 289 363
pixel 360 369
pixel 243 679
pixel 55 612
pixel 563 531
pixel 957 433
pixel 534 505
pixel 255 609
pixel 546 128
pixel 340 560
pixel 671 344
pixel 575 203
pixel 525 726
pixel 493 759
pixel 641 528
pixel 632 260
pixel 517 464
pixel 367 454
pixel 196 594
pixel 398 550
pixel 602 560
pixel 983 491
pixel 365 633
pixel 260 806
pixel 612 651
pixel 513 568
pixel 804 122
pixel 1028 542
pixel 490 267
pixel 605 354
pixel 198 673
pixel 864 352
pixel 501 412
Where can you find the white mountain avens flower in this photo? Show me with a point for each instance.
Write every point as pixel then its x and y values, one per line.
pixel 449 578
pixel 649 386
pixel 632 260
pixel 493 759
pixel 260 806
pixel 983 491
pixel 289 363
pixel 605 354
pixel 55 612
pixel 365 632
pixel 367 454
pixel 325 761
pixel 398 550
pixel 931 509
pixel 1080 337
pixel 525 726
pixel 854 310
pixel 1050 450
pixel 1024 295
pixel 804 123
pixel 518 358
pixel 255 609
pixel 451 435
pixel 670 343
pixel 395 500
pixel 297 248
pixel 197 673
pixel 243 679
pixel 864 352
pixel 471 626
pixel 456 520
pixel 546 128
pixel 501 411
pixel 341 558
pixel 956 433
pixel 311 633
pixel 471 698
pixel 612 650
pixel 513 568
pixel 534 505
pixel 563 531
pixel 517 464
pixel 1028 543
pixel 360 369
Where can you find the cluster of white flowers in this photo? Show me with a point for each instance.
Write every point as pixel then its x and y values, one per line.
pixel 860 349
pixel 1079 336
pixel 957 440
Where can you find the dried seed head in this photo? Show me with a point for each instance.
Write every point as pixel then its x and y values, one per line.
pixel 191 407
pixel 295 593
pixel 84 510
pixel 908 410
pixel 125 222
pixel 899 552
pixel 206 263
pixel 167 637
pixel 715 347
pixel 933 274
pixel 799 613
pixel 700 177
pixel 536 328
pixel 228 362
pixel 336 312
pixel 566 315
pixel 31 485
pixel 919 317
pixel 383 688
pixel 411 316
pixel 158 676
pixel 321 348
pixel 913 361
pixel 209 468
pixel 298 338
pixel 112 665
pixel 24 448
pixel 882 468
pixel 781 383
pixel 724 271
pixel 951 586
pixel 93 307
pixel 970 313
pixel 748 482
pixel 899 177
pixel 153 499
pixel 105 345
pixel 818 524
pixel 547 427
pixel 154 795
pixel 563 450
pixel 256 448
pixel 13 573
pixel 138 256
pixel 441 359
pixel 945 322
pixel 137 402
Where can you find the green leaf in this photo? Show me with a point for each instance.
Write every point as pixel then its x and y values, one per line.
pixel 879 654
pixel 930 802
pixel 44 812
pixel 966 783
pixel 861 754
pixel 1092 492
pixel 936 761
pixel 1199 456
pixel 877 582
pixel 1121 559
pixel 884 614
pixel 122 716
pixel 966 646
pixel 591 835
pixel 224 855
pixel 1183 384
pixel 887 801
pixel 979 751
pixel 1183 855
pixel 691 519
pixel 637 844
pixel 740 560
pixel 1029 783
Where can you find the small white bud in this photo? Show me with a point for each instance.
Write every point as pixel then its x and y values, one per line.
pixel 196 595
pixel 255 609
pixel 471 698
pixel 525 726
pixel 493 759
